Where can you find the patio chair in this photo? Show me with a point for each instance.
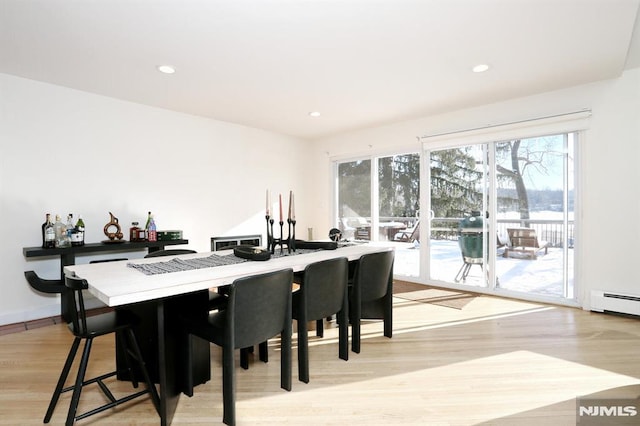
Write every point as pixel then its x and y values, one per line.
pixel 525 240
pixel 409 235
pixel 355 227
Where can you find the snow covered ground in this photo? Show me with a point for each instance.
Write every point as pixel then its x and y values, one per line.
pixel 541 276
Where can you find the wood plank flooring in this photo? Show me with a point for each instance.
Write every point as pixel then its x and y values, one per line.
pixel 493 362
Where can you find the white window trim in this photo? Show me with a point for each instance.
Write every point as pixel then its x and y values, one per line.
pixel 524 129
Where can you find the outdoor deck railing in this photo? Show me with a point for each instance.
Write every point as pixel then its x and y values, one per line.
pixel 547 230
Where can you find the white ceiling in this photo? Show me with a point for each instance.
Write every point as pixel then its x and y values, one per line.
pixel 267 63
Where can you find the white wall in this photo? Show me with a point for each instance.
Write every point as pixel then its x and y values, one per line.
pixel 609 155
pixel 65 151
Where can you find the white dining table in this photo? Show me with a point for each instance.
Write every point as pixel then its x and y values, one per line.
pixel 158 300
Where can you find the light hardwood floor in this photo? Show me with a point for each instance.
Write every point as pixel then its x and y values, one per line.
pixel 494 362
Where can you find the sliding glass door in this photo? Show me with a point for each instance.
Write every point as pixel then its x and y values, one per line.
pixel 535 215
pixel 398 204
pixel 499 216
pixel 457 228
pixel 378 199
pixel 502 215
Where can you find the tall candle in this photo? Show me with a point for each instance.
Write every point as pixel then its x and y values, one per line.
pixel 280 207
pixel 268 206
pixel 292 207
pixel 290 200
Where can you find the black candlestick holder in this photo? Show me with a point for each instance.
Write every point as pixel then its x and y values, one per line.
pixel 273 242
pixel 291 244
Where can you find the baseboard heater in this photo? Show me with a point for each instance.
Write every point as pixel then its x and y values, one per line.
pixel 603 301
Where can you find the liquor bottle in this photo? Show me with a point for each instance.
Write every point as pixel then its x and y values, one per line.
pixel 47 218
pixel 134 232
pixel 151 232
pixel 146 228
pixel 77 237
pixel 62 239
pixel 70 227
pixel 48 233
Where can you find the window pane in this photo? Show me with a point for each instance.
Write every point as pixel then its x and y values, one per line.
pixel 398 193
pixel 458 187
pixel 535 200
pixel 354 199
pixel 398 210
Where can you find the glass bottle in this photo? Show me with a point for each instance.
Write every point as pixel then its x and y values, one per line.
pixel 70 228
pixel 151 232
pixel 48 233
pixel 146 226
pixel 134 232
pixel 62 239
pixel 77 237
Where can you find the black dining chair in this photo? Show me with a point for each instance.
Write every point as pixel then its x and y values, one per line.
pixel 371 293
pixel 297 278
pixel 259 308
pixel 216 300
pixel 86 329
pixel 322 293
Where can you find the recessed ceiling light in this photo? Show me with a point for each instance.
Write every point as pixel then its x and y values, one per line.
pixel 314 114
pixel 480 68
pixel 166 69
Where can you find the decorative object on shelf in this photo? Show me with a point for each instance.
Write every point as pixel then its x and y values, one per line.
pixel 48 233
pixel 152 233
pixel 169 235
pixel 290 241
pixel 77 237
pixel 135 233
pixel 335 234
pixel 114 237
pixel 62 237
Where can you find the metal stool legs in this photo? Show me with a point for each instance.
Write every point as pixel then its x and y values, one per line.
pixel 132 351
pixel 62 379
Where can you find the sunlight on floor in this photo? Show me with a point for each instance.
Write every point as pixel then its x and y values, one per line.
pixel 491 382
pixel 489 363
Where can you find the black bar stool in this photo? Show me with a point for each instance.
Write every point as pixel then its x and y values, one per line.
pixel 87 328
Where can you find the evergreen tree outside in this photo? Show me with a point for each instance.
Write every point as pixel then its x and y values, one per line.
pixel 354 189
pixel 456 181
pixel 399 186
